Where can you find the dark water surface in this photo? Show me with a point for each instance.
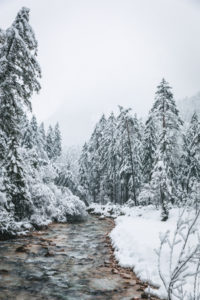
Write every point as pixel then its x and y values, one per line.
pixel 66 261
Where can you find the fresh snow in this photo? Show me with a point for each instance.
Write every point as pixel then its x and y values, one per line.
pixel 136 237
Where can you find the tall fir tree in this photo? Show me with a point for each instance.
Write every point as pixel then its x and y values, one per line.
pixel 191 158
pixel 57 142
pixel 129 146
pixel 34 131
pixel 50 142
pixel 30 133
pixel 95 155
pixel 165 176
pixel 85 171
pixel 19 71
pixel 41 138
pixel 149 145
pixel 111 158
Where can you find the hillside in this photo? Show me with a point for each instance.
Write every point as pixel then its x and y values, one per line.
pixel 188 106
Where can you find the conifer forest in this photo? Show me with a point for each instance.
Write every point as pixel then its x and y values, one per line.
pixel 118 215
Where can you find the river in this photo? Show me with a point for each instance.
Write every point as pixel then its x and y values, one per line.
pixel 65 261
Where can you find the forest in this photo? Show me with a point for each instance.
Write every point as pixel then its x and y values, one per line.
pixel 29 168
pixel 143 173
pixel 156 162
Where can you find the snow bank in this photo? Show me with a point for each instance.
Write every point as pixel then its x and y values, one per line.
pixel 135 238
pixel 107 210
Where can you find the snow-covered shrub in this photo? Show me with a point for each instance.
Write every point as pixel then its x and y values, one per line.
pixel 130 203
pixel 146 196
pixel 74 209
pixel 107 210
pixel 66 177
pixel 48 202
pixel 56 204
pixel 9 227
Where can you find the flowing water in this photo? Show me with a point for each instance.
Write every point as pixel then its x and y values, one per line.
pixel 66 261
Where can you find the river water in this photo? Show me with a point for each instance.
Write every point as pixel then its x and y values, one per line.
pixel 66 261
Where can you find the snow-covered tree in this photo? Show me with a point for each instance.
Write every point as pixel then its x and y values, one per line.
pixel 168 122
pixel 29 197
pixel 57 142
pixel 110 158
pixel 96 158
pixel 129 144
pixel 42 141
pixel 149 147
pixel 191 157
pixel 34 131
pixel 50 142
pixel 19 72
pixel 85 170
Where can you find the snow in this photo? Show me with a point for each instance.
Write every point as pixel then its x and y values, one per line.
pixel 50 203
pixel 107 210
pixel 135 238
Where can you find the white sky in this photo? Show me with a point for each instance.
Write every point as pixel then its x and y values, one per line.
pixel 96 54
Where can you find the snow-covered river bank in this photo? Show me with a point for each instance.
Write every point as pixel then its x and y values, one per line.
pixel 66 261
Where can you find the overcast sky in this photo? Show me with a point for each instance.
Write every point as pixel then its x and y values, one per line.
pixel 97 54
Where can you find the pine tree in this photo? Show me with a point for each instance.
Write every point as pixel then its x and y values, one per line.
pixel 25 132
pixel 95 156
pixel 97 159
pixel 167 118
pixel 50 142
pixel 2 134
pixel 57 142
pixel 18 80
pixel 191 157
pixel 129 146
pixel 149 146
pixel 110 158
pixel 34 131
pixel 85 171
pixel 30 133
pixel 41 138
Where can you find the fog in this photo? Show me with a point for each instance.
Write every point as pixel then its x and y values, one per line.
pixel 98 54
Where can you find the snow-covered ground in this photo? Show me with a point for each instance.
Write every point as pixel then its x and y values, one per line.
pixel 135 238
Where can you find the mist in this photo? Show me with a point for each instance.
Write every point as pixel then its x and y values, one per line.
pixel 96 55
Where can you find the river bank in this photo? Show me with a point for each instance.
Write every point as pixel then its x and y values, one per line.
pixel 66 261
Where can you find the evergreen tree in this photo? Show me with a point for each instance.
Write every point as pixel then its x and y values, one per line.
pixel 95 158
pixel 168 121
pixel 129 145
pixel 18 80
pixel 191 157
pixel 84 171
pixel 30 133
pixel 25 132
pixel 57 142
pixel 149 146
pixel 41 138
pixel 34 131
pixel 50 142
pixel 111 158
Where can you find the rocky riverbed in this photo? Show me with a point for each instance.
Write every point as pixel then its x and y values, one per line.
pixel 66 261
